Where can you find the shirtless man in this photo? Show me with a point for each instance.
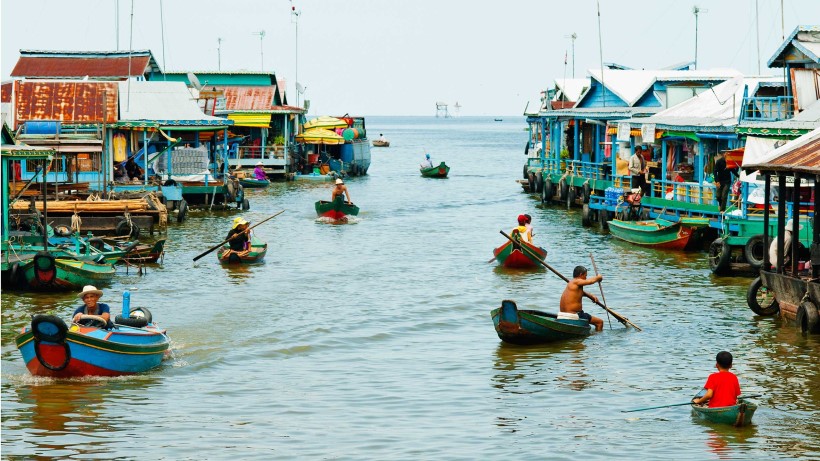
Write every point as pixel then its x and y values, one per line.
pixel 340 190
pixel 574 293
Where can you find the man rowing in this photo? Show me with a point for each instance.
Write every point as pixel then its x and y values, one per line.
pixel 574 294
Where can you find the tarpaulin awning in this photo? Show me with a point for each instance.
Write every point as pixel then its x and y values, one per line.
pixel 325 122
pixel 320 136
pixel 256 120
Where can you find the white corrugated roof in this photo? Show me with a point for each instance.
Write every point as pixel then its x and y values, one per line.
pixel 572 87
pixel 630 85
pixel 159 101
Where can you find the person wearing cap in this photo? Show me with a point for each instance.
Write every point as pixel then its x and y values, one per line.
pixel 787 243
pixel 529 225
pixel 722 388
pixel 90 296
pixel 239 236
pixel 637 168
pixel 723 180
pixel 340 190
pixel 522 230
pixel 573 295
pixel 428 162
pixel 259 172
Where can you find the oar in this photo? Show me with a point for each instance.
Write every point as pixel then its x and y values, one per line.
pixel 235 235
pixel 595 266
pixel 535 256
pixel 687 403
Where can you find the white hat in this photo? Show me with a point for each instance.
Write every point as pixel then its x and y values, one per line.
pixel 259 163
pixel 339 181
pixel 790 225
pixel 90 289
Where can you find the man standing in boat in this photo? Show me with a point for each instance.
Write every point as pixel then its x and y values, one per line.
pixel 340 190
pixel 574 293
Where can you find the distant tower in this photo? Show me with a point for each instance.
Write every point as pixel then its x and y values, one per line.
pixel 441 110
pixel 457 108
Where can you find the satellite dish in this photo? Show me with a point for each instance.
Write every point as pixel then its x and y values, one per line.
pixel 300 88
pixel 194 81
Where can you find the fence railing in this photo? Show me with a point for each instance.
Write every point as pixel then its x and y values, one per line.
pixel 768 109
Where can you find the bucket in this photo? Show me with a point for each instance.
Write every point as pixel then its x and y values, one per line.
pixel 313 158
pixel 324 169
pixel 316 170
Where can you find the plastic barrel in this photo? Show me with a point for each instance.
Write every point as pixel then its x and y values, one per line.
pixel 43 127
pixel 349 134
pixel 313 158
pixel 346 153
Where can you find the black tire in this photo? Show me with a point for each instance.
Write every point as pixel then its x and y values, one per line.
pixel 62 231
pixel 231 191
pixel 182 214
pixel 539 182
pixel 246 205
pixel 760 300
pixel 563 190
pixel 720 254
pixel 49 328
pixel 136 322
pixel 603 217
pixel 14 274
pixel 755 250
pixel 587 192
pixel 807 317
pixel 141 312
pixel 586 221
pixel 45 267
pixel 531 183
pixel 547 193
pixel 124 229
pixel 572 194
pixel 526 172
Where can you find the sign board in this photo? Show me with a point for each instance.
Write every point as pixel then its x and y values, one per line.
pixel 623 132
pixel 648 133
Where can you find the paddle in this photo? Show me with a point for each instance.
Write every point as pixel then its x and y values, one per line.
pixel 536 257
pixel 235 235
pixel 595 266
pixel 687 403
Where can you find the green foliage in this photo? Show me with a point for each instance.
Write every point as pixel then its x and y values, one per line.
pixel 279 140
pixel 564 153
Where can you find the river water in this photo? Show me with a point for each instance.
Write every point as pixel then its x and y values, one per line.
pixel 373 339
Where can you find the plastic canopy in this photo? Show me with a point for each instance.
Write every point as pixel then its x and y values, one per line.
pixel 319 136
pixel 325 122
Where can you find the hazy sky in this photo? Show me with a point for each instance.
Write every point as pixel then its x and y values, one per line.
pixel 372 57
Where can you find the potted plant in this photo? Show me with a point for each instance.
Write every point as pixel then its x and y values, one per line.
pixel 564 157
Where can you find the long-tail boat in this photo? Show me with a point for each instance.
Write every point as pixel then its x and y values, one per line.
pixel 93 347
pixel 439 171
pixel 658 232
pixel 519 254
pixel 737 415
pixel 257 252
pixel 337 209
pixel 532 327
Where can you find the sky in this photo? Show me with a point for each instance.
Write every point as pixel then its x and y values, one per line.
pixel 390 57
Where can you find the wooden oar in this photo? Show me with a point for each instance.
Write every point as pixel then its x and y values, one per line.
pixel 235 235
pixel 535 256
pixel 603 298
pixel 687 403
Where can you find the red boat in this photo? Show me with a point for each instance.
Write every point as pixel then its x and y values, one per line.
pixel 519 255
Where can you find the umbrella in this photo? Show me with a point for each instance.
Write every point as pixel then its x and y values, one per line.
pixel 325 122
pixel 320 136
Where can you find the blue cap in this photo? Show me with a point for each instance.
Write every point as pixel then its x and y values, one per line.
pixel 427 155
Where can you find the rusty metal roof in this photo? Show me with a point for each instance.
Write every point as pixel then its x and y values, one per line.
pixel 801 155
pixel 91 64
pixel 66 101
pixel 248 97
pixel 6 92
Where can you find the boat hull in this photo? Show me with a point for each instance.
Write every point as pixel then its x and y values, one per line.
pixel 336 210
pixel 439 171
pixel 378 143
pixel 257 253
pixel 67 274
pixel 534 327
pixel 508 255
pixel 254 183
pixel 657 233
pixel 736 415
pixel 89 351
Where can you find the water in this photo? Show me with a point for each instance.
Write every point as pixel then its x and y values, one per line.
pixel 373 339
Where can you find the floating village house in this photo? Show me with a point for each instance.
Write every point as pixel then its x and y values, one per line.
pixel 264 125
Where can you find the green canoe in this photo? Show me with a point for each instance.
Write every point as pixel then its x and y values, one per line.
pixel 257 253
pixel 737 415
pixel 336 210
pixel 46 271
pixel 439 171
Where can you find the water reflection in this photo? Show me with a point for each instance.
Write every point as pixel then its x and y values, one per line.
pixel 238 273
pixel 519 368
pixel 725 441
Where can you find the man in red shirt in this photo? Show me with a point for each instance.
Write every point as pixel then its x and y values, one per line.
pixel 722 388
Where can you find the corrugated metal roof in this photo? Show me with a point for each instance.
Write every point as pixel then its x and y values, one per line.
pixel 6 92
pixel 600 112
pixel 93 64
pixel 808 119
pixel 248 97
pixel 630 85
pixel 572 88
pixel 801 155
pixel 233 78
pixel 169 103
pixel 804 34
pixel 66 101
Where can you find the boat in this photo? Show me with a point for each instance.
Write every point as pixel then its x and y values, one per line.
pixel 47 271
pixel 252 183
pixel 314 176
pixel 338 209
pixel 498 119
pixel 533 327
pixel 144 253
pixel 377 143
pixel 133 344
pixel 520 255
pixel 737 415
pixel 439 171
pixel 257 253
pixel 658 232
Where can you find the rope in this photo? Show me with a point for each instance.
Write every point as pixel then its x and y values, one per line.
pixel 76 222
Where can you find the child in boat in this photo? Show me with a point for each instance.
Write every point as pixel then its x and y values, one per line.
pixel 722 388
pixel 523 230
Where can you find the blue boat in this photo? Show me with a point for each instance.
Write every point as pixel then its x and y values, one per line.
pixel 133 344
pixel 533 327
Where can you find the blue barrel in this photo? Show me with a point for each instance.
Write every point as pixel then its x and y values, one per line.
pixel 43 127
pixel 346 153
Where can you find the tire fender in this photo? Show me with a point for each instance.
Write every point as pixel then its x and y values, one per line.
pixel 754 251
pixel 808 318
pixel 587 192
pixel 720 254
pixel 531 183
pixel 182 214
pixel 585 215
pixel 563 189
pixel 45 267
pixel 549 190
pixel 754 303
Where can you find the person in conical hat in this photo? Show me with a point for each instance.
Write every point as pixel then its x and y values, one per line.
pixel 340 190
pixel 91 305
pixel 239 236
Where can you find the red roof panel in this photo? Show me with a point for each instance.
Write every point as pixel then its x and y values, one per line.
pixel 62 67
pixel 248 97
pixel 69 102
pixel 6 92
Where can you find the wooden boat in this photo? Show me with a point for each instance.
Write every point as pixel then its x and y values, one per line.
pixel 257 253
pixel 252 183
pixel 439 171
pixel 532 327
pixel 47 271
pixel 520 255
pixel 90 348
pixel 337 209
pixel 737 415
pixel 377 143
pixel 144 253
pixel 657 233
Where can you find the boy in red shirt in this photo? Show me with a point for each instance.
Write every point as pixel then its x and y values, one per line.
pixel 722 388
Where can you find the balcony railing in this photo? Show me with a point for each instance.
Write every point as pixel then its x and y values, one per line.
pixel 767 109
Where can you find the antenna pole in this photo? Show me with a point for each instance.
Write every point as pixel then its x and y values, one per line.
pixel 130 48
pixel 757 28
pixel 117 21
pixel 696 10
pixel 601 55
pixel 294 16
pixel 219 53
pixel 574 36
pixel 162 35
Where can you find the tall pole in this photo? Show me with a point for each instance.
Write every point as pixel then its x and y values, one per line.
pixel 130 47
pixel 162 35
pixel 600 55
pixel 294 17
pixel 757 28
pixel 574 36
pixel 117 22
pixel 262 48
pixel 219 53
pixel 696 10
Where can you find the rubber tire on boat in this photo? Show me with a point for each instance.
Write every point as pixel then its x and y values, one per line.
pixel 124 229
pixel 531 183
pixel 182 214
pixel 587 192
pixel 572 194
pixel 526 173
pixel 807 317
pixel 586 221
pixel 539 182
pixel 51 367
pixel 231 191
pixel 141 312
pixel 753 249
pixel 14 274
pixel 563 190
pixel 53 337
pixel 62 231
pixel 549 190
pixel 603 217
pixel 49 266
pixel 136 322
pixel 754 304
pixel 720 254
pixel 246 205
